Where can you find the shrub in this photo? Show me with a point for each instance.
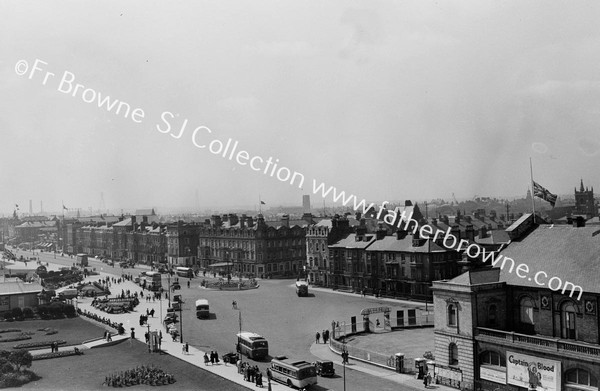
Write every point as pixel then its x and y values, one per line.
pixel 27 313
pixel 17 313
pixel 40 344
pixel 61 353
pixel 9 330
pixel 69 310
pixel 8 316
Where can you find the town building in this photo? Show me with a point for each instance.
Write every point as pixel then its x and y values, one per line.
pixel 260 248
pixel 532 324
pixel 585 204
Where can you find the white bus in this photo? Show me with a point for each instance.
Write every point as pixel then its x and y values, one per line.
pixel 252 345
pixel 184 271
pixel 293 373
pixel 202 311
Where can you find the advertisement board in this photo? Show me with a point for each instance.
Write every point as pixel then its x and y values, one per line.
pixel 491 374
pixel 533 373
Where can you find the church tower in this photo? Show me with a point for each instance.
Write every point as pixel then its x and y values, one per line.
pixel 584 202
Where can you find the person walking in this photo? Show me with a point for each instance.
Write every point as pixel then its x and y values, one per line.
pixel 212 357
pixel 206 360
pixel 318 337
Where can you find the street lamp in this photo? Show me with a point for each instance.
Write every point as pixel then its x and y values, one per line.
pixel 180 320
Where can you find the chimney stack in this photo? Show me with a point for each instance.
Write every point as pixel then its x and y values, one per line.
pixel 285 220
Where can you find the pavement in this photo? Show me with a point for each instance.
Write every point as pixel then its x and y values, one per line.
pixel 195 355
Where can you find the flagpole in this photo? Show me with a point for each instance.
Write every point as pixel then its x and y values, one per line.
pixel 532 192
pixel 259 204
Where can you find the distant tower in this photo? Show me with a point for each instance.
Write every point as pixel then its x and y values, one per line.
pixel 41 207
pixel 102 204
pixel 584 201
pixel 30 207
pixel 306 203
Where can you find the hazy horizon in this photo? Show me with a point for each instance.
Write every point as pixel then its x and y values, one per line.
pixel 381 99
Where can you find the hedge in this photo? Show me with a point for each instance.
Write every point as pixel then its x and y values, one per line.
pixel 41 344
pixel 62 353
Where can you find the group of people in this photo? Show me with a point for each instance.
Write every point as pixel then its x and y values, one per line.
pixel 213 359
pixel 139 375
pixel 54 347
pixel 117 326
pixel 325 336
pixel 251 373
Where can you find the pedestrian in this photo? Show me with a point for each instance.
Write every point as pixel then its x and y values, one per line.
pixel 246 373
pixel 323 335
pixel 318 337
pixel 187 348
pixel 239 365
pixel 377 323
pixel 152 312
pixel 216 357
pixel 206 360
pixel 147 337
pixel 188 283
pixel 425 383
pixel 212 357
pixel 259 379
pixel 183 348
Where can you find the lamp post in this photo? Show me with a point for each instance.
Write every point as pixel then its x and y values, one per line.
pixel 149 340
pixel 181 321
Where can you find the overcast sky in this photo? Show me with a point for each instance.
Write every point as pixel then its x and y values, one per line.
pixel 382 99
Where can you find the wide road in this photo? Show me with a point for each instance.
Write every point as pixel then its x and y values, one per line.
pixel 273 310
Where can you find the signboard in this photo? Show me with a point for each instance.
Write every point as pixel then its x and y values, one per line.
pixel 368 311
pixel 453 374
pixel 494 375
pixel 533 373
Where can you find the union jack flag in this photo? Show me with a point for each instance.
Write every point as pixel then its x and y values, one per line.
pixel 543 193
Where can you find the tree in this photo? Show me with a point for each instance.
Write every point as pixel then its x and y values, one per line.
pixel 20 359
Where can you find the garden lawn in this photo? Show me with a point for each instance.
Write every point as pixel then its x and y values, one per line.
pixel 87 372
pixel 73 330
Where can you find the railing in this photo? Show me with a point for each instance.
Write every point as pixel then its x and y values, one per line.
pixel 554 344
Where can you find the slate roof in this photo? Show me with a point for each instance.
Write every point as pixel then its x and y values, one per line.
pixel 391 243
pixel 125 223
pixel 350 242
pixel 498 236
pixel 19 287
pixel 569 253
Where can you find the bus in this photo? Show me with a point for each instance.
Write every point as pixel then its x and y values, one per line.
pixel 153 281
pixel 252 345
pixel 82 260
pixel 202 311
pixel 301 288
pixel 184 271
pixel 293 373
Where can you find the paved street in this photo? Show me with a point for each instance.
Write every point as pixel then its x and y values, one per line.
pixel 273 310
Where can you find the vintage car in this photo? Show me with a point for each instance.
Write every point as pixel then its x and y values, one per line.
pixel 324 368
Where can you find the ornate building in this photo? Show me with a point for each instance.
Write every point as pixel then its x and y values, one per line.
pixel 530 327
pixel 259 248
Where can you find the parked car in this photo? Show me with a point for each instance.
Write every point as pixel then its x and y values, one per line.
pixel 324 368
pixel 175 286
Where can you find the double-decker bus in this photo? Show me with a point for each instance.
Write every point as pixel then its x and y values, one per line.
pixel 184 271
pixel 153 281
pixel 293 373
pixel 202 309
pixel 301 288
pixel 252 345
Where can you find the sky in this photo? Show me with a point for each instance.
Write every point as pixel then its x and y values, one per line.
pixel 385 100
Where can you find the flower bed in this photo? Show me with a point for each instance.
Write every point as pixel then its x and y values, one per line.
pixel 42 344
pixel 62 353
pixel 21 337
pixel 9 331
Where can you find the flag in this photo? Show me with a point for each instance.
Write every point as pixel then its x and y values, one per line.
pixel 262 203
pixel 543 193
pixel 64 207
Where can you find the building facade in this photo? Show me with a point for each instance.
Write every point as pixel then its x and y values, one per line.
pixel 495 330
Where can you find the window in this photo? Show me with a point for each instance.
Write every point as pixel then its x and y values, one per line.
pixel 581 379
pixel 526 310
pixel 452 315
pixel 492 312
pixel 568 316
pixel 493 359
pixel 453 354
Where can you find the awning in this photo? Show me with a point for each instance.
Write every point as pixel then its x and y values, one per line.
pixel 221 264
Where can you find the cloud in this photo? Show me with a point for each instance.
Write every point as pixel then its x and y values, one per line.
pixel 558 87
pixel 589 147
pixel 282 49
